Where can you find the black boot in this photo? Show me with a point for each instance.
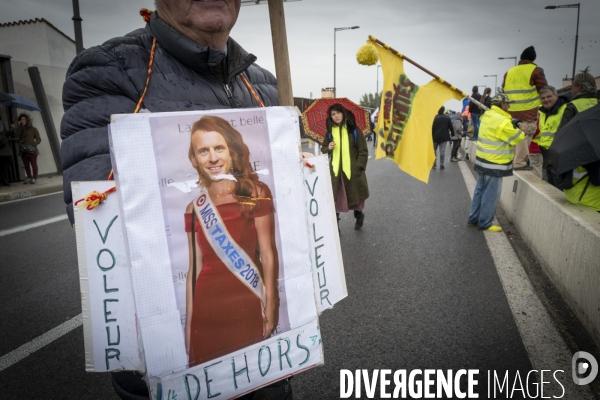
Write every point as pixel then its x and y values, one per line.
pixel 338 222
pixel 360 218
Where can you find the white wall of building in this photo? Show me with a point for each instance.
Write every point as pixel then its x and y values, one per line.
pixel 41 45
pixel 36 43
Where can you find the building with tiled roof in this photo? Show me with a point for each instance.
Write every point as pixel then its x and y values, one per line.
pixel 36 41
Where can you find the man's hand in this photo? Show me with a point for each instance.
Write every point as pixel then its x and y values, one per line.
pixel 331 145
pixel 522 127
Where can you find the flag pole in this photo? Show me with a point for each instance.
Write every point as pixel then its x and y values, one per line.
pixel 442 81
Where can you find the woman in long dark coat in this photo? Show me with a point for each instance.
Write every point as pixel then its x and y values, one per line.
pixel 348 155
pixel 28 136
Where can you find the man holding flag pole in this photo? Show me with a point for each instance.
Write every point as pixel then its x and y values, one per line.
pixel 498 135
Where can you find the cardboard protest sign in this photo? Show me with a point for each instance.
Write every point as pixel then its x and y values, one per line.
pixel 246 370
pixel 326 255
pixel 108 308
pixel 214 216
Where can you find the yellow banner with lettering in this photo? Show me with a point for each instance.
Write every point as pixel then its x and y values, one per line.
pixel 406 116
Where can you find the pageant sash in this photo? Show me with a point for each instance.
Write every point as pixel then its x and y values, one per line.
pixel 232 254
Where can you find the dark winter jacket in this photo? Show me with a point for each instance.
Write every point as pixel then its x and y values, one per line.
pixel 357 188
pixel 562 99
pixel 571 111
pixel 473 107
pixel 109 79
pixel 442 128
pixel 488 101
pixel 27 135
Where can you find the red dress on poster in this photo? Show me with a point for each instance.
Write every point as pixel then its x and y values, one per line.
pixel 226 315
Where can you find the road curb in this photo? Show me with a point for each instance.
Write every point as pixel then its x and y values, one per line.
pixel 24 194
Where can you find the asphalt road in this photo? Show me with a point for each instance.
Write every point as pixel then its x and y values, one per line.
pixel 423 293
pixel 423 288
pixel 39 290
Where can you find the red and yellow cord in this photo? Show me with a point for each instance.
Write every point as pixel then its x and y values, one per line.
pixel 94 199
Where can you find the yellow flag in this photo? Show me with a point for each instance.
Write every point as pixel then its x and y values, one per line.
pixel 406 116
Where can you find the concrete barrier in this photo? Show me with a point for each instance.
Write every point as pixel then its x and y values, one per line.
pixel 564 238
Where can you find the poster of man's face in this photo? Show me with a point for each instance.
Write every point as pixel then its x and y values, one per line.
pixel 216 172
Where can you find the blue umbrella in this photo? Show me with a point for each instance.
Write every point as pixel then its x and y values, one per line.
pixel 18 101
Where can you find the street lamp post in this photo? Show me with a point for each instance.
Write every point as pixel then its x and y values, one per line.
pixel 508 58
pixel 334 32
pixel 495 82
pixel 377 90
pixel 578 7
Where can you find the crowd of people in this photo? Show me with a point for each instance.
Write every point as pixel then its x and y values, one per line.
pixel 516 132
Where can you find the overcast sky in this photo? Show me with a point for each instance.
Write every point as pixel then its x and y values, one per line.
pixel 459 40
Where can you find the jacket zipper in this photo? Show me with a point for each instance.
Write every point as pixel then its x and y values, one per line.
pixel 238 71
pixel 229 95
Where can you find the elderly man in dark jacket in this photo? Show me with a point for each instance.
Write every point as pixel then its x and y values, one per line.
pixel 442 130
pixel 196 66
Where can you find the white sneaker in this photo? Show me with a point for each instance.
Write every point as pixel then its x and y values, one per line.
pixel 26 181
pixel 32 181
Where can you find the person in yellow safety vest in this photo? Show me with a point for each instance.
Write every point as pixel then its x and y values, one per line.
pixel 582 185
pixel 498 136
pixel 550 115
pixel 522 84
pixel 585 96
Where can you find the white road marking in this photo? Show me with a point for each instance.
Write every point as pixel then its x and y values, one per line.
pixel 33 225
pixel 37 196
pixel 28 348
pixel 545 347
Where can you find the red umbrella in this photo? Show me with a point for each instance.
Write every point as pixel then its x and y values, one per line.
pixel 315 116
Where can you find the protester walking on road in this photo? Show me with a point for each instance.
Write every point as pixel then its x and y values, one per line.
pixel 550 115
pixel 196 66
pixel 475 112
pixel 457 138
pixel 348 155
pixel 375 130
pixel 494 160
pixel 5 154
pixel 442 131
pixel 522 84
pixel 29 139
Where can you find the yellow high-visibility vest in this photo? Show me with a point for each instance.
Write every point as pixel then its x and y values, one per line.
pixel 584 104
pixel 524 95
pixel 497 138
pixel 548 126
pixel 583 192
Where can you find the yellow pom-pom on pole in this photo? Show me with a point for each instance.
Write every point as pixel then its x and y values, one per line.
pixel 367 55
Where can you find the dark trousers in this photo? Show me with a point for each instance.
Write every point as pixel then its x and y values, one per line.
pixel 455 147
pixel 5 162
pixel 30 163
